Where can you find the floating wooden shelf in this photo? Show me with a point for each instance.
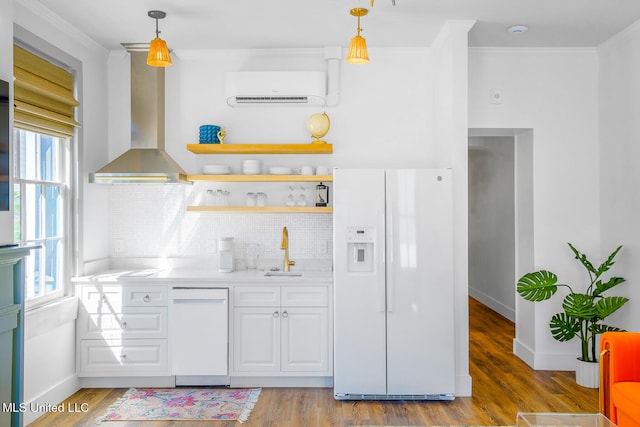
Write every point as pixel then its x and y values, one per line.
pixel 261 209
pixel 260 148
pixel 261 178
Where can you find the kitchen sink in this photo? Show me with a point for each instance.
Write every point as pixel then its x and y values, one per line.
pixel 283 273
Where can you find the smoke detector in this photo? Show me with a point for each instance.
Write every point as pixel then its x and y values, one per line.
pixel 518 29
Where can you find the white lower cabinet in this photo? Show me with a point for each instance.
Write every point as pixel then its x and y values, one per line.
pixel 122 330
pixel 304 341
pixel 281 330
pixel 281 335
pixel 257 339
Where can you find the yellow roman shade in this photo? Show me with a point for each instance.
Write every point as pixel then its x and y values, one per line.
pixel 43 95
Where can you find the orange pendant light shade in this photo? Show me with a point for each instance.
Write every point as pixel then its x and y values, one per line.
pixel 158 53
pixel 358 48
pixel 358 51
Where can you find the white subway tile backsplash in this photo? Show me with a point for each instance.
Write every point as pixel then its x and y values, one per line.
pixel 151 221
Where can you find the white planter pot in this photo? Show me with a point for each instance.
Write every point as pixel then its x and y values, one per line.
pixel 587 374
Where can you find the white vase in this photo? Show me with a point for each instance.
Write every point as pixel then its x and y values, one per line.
pixel 587 374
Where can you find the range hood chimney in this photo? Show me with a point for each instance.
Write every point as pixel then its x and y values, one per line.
pixel 146 161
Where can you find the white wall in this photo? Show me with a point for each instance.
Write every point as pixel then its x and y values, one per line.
pixel 50 332
pixel 619 173
pixel 492 223
pixel 451 111
pixel 380 120
pixel 554 92
pixel 524 233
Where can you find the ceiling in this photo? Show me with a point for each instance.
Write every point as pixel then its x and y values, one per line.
pixel 253 24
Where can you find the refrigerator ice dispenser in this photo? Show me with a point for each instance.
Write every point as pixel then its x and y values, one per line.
pixel 360 247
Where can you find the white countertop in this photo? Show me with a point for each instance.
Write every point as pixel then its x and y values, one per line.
pixel 200 276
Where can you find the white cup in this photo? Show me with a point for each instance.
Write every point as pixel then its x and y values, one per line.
pixel 306 170
pixel 322 170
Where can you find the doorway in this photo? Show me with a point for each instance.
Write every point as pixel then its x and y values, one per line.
pixel 500 215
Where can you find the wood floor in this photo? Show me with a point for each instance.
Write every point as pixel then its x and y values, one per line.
pixel 503 385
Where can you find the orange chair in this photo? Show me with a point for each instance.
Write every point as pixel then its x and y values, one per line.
pixel 620 377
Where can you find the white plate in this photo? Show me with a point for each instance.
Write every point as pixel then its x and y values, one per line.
pixel 216 169
pixel 280 170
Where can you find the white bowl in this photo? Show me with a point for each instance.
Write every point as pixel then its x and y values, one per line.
pixel 280 170
pixel 216 169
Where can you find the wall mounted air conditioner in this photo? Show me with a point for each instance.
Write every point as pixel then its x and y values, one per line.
pixel 267 88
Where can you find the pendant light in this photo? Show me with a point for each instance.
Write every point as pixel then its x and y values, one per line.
pixel 358 48
pixel 158 50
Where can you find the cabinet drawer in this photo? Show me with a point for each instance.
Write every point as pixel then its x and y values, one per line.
pixel 304 296
pixel 101 299
pixel 141 296
pixel 112 298
pixel 133 322
pixel 256 296
pixel 123 357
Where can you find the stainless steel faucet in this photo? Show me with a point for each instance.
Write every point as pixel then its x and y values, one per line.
pixel 285 245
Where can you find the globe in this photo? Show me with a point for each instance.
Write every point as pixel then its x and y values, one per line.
pixel 318 126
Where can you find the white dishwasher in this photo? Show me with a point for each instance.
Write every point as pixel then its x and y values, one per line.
pixel 199 335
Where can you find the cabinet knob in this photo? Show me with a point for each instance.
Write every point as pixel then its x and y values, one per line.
pixel 146 298
pixel 285 314
pixel 123 356
pixel 124 325
pixel 276 314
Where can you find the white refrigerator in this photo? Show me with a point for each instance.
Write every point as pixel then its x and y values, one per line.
pixel 393 284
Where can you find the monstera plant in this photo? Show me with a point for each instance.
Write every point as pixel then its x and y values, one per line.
pixel 583 311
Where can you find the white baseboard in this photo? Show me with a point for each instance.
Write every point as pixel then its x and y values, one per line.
pixel 463 385
pixel 56 394
pixel 523 352
pixel 545 361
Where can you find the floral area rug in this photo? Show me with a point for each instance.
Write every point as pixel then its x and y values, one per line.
pixel 140 404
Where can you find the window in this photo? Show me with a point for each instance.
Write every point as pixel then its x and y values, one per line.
pixel 44 128
pixel 41 206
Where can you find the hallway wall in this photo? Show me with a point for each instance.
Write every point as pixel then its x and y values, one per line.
pixel 619 173
pixel 492 223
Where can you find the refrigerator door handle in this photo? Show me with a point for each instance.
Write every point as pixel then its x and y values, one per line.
pixel 389 250
pixel 381 262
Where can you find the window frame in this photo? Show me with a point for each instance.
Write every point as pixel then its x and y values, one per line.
pixel 64 184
